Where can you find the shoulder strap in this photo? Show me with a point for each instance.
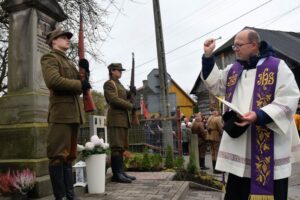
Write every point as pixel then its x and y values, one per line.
pixel 115 86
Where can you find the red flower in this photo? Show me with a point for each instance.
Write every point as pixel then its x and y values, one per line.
pixel 6 182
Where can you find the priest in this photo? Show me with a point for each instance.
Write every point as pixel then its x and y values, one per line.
pixel 257 148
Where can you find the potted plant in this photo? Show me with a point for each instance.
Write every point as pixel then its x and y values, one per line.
pixel 17 184
pixel 94 152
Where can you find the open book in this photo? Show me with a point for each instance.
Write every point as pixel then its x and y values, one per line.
pixel 230 105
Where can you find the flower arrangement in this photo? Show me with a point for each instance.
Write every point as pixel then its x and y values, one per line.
pixel 17 182
pixel 95 146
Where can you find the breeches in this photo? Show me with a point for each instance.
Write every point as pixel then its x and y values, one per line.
pixel 118 138
pixel 62 143
pixel 214 147
pixel 201 148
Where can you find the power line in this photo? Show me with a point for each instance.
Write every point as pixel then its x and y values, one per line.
pixel 137 2
pixel 199 37
pixel 192 23
pixel 169 27
pixel 206 7
pixel 149 61
pixel 191 14
pixel 115 20
pixel 278 17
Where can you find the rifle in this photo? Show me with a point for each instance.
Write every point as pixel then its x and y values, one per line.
pixel 89 105
pixel 134 118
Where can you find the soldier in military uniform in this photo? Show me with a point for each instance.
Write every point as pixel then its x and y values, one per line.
pixel 65 112
pixel 198 128
pixel 118 123
pixel 214 129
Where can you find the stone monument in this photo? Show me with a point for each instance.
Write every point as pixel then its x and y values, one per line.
pixel 23 121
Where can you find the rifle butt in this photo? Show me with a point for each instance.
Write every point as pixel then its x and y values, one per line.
pixel 134 118
pixel 88 102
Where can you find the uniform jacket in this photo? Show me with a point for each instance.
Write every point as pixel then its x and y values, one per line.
pixel 117 98
pixel 214 128
pixel 198 128
pixel 62 79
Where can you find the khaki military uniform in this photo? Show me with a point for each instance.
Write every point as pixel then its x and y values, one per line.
pixel 214 132
pixel 117 115
pixel 65 109
pixel 198 128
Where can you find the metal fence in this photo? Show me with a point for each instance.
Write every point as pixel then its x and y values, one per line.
pixel 148 134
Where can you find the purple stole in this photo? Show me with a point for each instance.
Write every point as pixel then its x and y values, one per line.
pixel 262 138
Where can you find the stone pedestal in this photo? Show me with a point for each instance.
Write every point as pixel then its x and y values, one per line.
pixel 194 149
pixel 23 122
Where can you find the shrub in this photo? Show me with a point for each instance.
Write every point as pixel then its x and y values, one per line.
pixel 179 163
pixel 179 168
pixel 137 162
pixel 191 167
pixel 156 161
pixel 146 160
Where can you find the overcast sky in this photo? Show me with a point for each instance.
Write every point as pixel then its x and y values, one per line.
pixel 186 25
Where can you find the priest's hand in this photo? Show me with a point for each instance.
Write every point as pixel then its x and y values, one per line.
pixel 247 119
pixel 209 46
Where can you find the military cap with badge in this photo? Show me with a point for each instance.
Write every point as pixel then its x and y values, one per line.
pixel 56 33
pixel 116 66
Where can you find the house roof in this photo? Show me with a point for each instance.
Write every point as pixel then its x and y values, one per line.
pixel 173 82
pixel 183 92
pixel 198 81
pixel 284 43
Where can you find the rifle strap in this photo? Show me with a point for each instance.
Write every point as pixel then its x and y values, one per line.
pixel 115 86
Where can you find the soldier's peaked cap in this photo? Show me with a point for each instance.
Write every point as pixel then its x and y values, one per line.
pixel 117 66
pixel 56 33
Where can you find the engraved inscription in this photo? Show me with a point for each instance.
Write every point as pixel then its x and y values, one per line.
pixel 42 30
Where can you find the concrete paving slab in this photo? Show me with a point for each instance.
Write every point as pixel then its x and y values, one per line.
pixel 157 186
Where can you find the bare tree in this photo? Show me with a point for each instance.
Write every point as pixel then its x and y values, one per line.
pixel 95 22
pixel 3 50
pixel 94 19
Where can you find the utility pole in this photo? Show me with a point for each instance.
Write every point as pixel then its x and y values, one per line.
pixel 164 98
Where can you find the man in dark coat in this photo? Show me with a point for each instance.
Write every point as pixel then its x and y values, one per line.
pixel 65 112
pixel 118 123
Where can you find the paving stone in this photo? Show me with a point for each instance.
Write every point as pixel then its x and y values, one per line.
pixel 157 186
